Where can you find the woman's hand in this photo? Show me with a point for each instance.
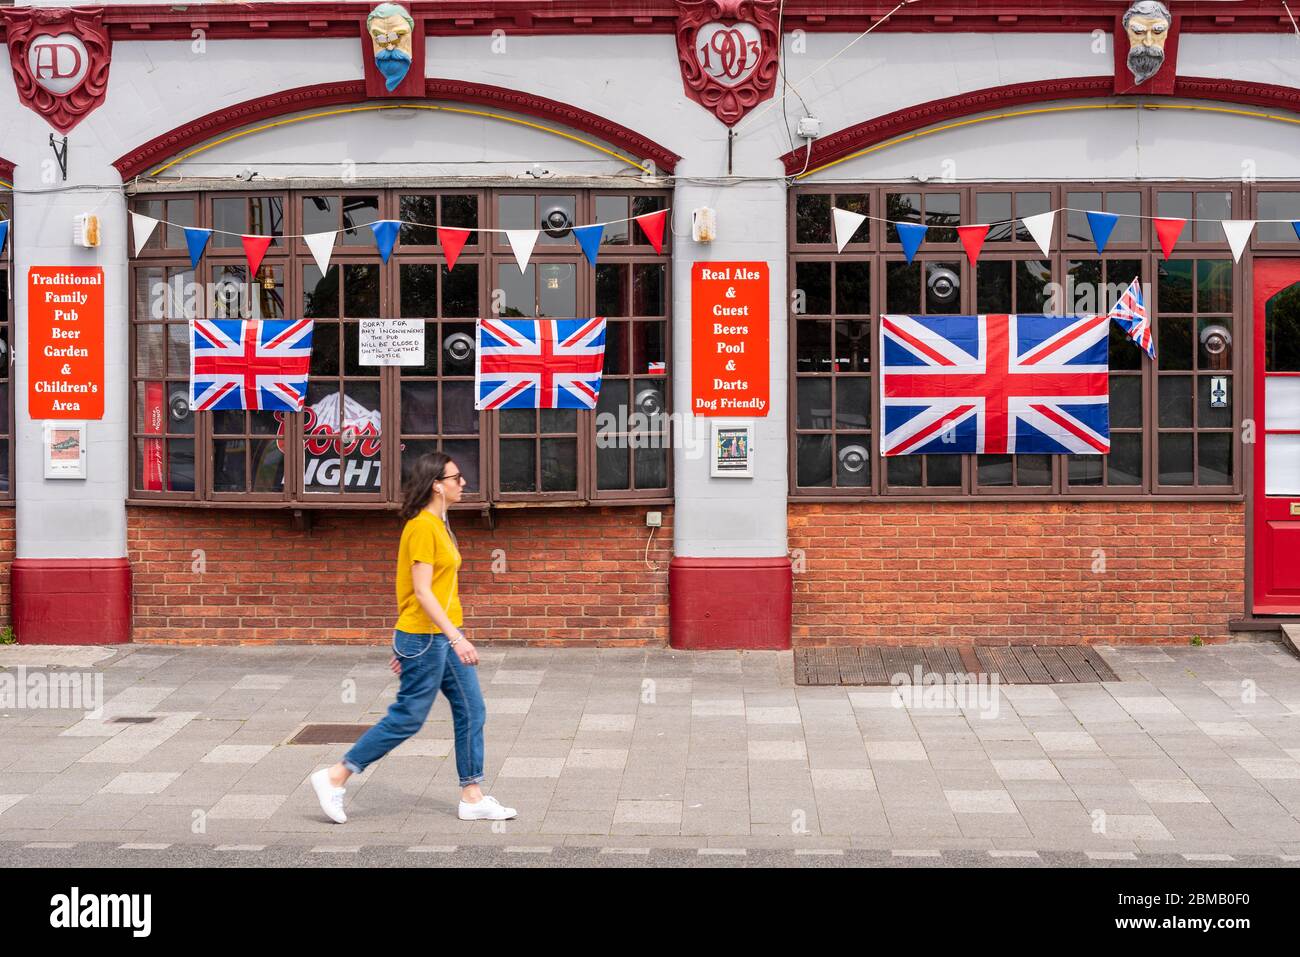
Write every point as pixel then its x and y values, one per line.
pixel 467 653
pixel 395 666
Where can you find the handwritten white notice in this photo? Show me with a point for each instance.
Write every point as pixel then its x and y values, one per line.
pixel 392 342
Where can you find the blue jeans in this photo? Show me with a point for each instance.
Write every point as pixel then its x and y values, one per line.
pixel 428 663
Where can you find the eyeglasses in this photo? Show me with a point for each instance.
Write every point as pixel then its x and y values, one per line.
pixel 444 478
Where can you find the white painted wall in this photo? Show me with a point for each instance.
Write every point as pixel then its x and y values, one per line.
pixel 634 80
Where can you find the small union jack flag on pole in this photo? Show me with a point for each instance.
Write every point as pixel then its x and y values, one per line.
pixel 539 363
pixel 1131 314
pixel 257 364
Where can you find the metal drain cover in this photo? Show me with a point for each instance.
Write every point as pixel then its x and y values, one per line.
pixel 329 733
pixel 1013 664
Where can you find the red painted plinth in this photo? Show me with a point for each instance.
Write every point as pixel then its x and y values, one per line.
pixel 720 603
pixel 71 601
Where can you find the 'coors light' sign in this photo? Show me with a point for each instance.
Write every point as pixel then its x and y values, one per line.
pixel 60 59
pixel 330 446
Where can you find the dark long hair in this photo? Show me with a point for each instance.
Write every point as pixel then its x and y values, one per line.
pixel 419 484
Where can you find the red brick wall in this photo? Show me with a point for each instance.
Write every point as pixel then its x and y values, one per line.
pixel 8 547
pixel 571 574
pixel 990 572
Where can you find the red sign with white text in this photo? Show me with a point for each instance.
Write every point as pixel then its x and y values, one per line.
pixel 729 339
pixel 65 343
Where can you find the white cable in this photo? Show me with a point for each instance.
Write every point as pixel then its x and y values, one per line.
pixel 653 566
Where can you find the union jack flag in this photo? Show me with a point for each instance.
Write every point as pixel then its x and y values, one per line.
pixel 250 364
pixel 994 384
pixel 1131 314
pixel 539 363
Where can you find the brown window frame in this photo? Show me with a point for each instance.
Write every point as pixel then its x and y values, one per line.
pixel 485 250
pixel 880 252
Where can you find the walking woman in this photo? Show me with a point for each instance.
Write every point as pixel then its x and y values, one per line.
pixel 430 652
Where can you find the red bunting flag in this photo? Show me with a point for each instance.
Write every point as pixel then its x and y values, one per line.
pixel 1168 231
pixel 254 249
pixel 972 240
pixel 452 241
pixel 652 224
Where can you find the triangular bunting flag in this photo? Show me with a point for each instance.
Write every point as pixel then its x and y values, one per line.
pixel 1296 226
pixel 4 234
pixel 385 231
pixel 1238 233
pixel 652 224
pixel 972 240
pixel 321 245
pixel 910 235
pixel 846 224
pixel 1040 227
pixel 142 228
pixel 452 241
pixel 1167 231
pixel 254 249
pixel 589 240
pixel 522 242
pixel 1101 225
pixel 196 240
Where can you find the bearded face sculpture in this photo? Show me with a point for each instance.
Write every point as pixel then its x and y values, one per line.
pixel 1147 24
pixel 391 28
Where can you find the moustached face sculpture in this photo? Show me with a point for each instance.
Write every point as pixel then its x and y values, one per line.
pixel 1147 24
pixel 391 28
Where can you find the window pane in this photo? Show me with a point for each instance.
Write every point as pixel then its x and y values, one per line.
pixel 1282 331
pixel 1174 204
pixel 1033 277
pixel 1175 453
pixel 1214 285
pixel 559 465
pixel 901 208
pixel 558 290
pixel 903 470
pixel 149 358
pixel 942 215
pixel 422 210
pixel 517 421
pixel 1174 343
pixel 993 286
pixel 1174 285
pixel 813 467
pixel 1212 206
pixel 648 289
pixel 1034 470
pixel 1210 416
pixel 1076 220
pixel 358 213
pixel 612 464
pixel 458 414
pixel 853 288
pixel 229 460
pixel 609 209
pixel 1214 458
pixel 360 291
pixel 813 345
pixel 518 465
pixel 320 294
pixel 994 470
pixel 418 289
pixel 1086 469
pixel 1124 464
pixel 853 345
pixel 813 218
pixel 943 470
pixel 813 280
pixel 612 289
pixel 903 288
pixel 518 291
pixel 460 291
pixel 1175 401
pixel 1277 205
pixel 419 408
pixel 852 402
pixel 814 403
pixel 853 461
pixel 1125 354
pixel 651 467
pixel 942 288
pixel 461 210
pixel 616 362
pixel 1125 401
pixel 994 209
pixel 1128 228
pixel 1030 204
pixel 466 456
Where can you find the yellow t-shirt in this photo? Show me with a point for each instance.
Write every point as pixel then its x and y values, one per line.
pixel 426 539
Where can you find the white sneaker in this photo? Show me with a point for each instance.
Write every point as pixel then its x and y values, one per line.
pixel 488 809
pixel 330 797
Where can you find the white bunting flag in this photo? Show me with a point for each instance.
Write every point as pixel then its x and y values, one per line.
pixel 522 242
pixel 142 228
pixel 1040 227
pixel 1238 233
pixel 321 246
pixel 846 224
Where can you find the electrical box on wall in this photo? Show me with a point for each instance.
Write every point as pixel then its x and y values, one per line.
pixel 85 230
pixel 704 224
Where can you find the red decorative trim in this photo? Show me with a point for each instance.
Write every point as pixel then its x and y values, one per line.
pixel 6 170
pixel 851 139
pixel 142 159
pixel 25 25
pixel 728 603
pixel 728 102
pixel 71 601
pixel 266 19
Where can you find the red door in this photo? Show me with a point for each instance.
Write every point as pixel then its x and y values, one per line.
pixel 1277 437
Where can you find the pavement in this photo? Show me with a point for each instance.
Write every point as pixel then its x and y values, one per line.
pixel 651 756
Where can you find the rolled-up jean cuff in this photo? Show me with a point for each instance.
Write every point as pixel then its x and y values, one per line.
pixel 351 766
pixel 475 779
